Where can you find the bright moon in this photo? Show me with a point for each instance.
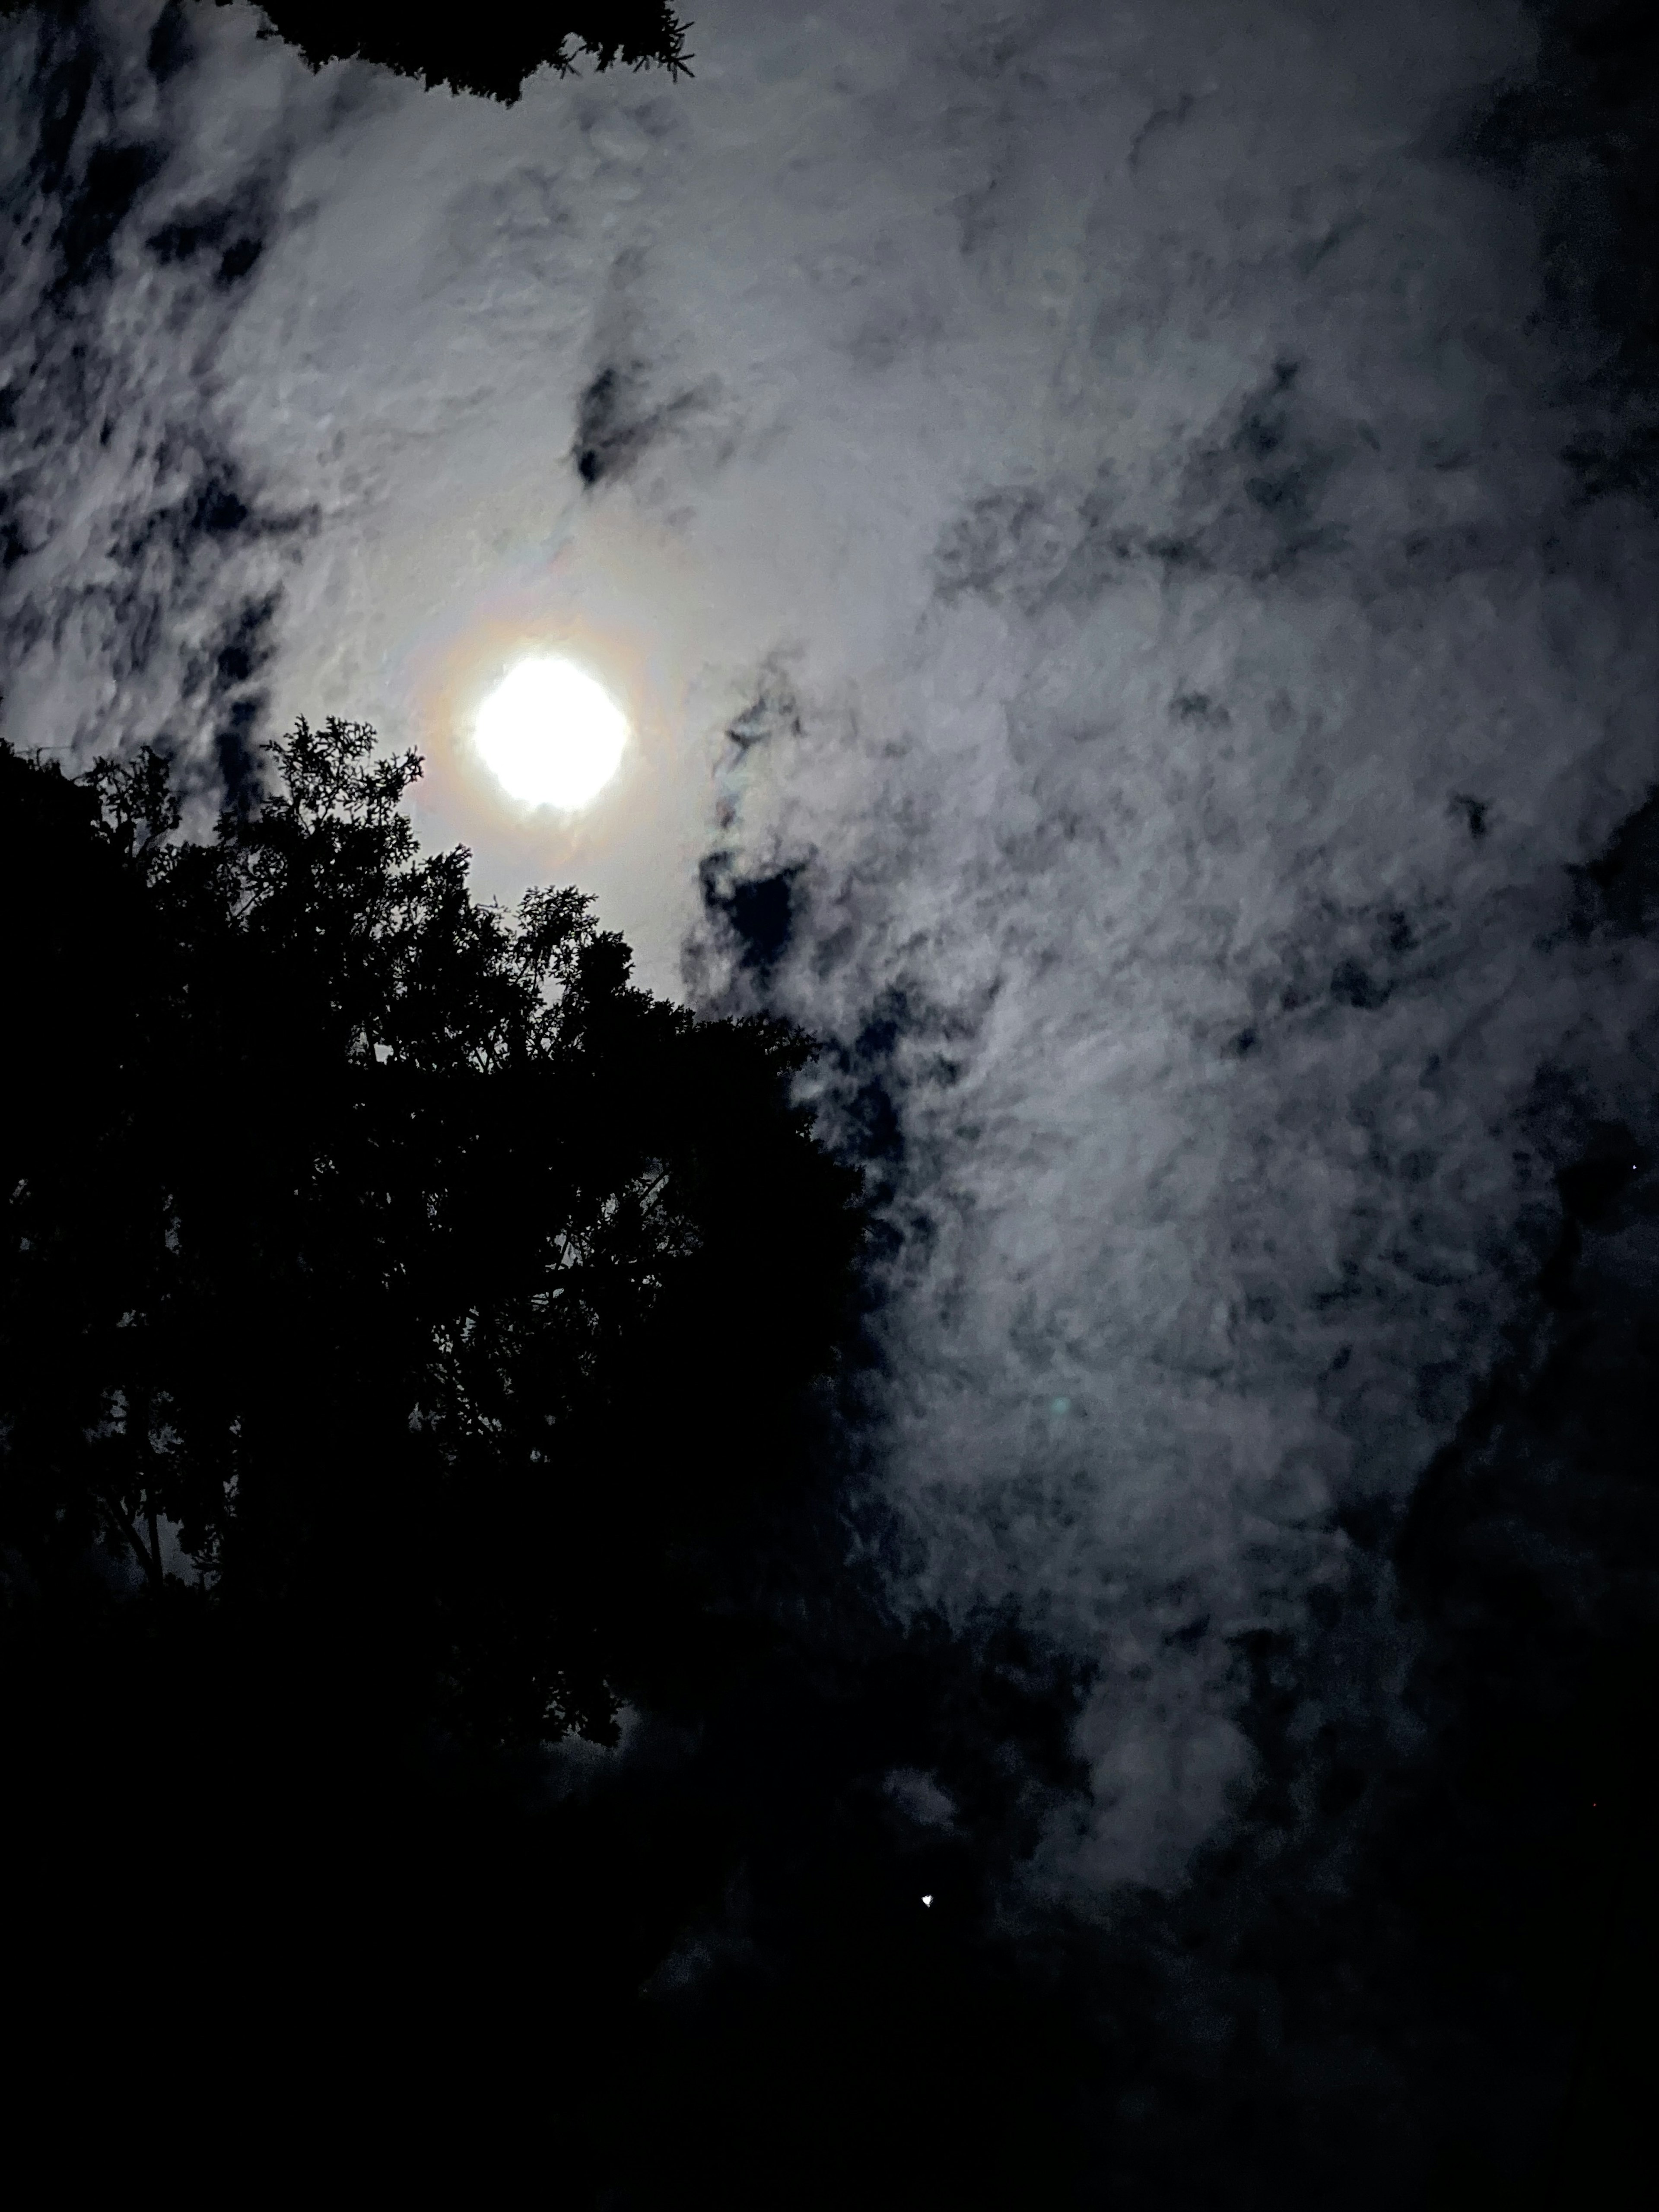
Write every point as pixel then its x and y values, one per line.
pixel 550 735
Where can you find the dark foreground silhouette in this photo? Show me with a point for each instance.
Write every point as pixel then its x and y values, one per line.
pixel 489 51
pixel 414 1342
pixel 441 1290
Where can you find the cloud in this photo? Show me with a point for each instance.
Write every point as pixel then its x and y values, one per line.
pixel 143 557
pixel 1099 500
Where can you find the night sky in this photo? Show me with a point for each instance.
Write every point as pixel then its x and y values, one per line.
pixel 1129 537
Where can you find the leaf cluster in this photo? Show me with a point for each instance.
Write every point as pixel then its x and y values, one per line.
pixel 489 51
pixel 382 1269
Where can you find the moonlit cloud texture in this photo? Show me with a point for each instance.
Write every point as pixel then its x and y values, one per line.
pixel 1106 524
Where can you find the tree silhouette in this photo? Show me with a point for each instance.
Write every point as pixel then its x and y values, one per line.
pixel 489 51
pixel 409 1333
pixel 440 1297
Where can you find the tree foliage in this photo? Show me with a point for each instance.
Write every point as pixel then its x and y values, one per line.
pixel 409 1336
pixel 488 50
pixel 439 1296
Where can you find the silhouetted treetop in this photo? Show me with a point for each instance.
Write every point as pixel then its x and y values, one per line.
pixel 442 1297
pixel 409 1344
pixel 489 50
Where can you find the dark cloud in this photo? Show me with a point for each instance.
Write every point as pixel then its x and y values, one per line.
pixel 617 424
pixel 225 237
pixel 135 535
pixel 1577 135
pixel 100 202
pixel 760 912
pixel 1619 888
pixel 608 432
